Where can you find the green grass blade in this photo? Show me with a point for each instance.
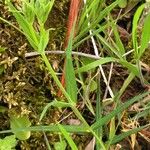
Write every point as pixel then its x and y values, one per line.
pixel 99 131
pixel 109 46
pixel 50 128
pixel 132 68
pixel 119 109
pixel 70 79
pixel 47 142
pixel 55 103
pixel 118 41
pixel 120 137
pixel 112 131
pixel 130 77
pixel 88 9
pixel 42 10
pixel 97 31
pixel 27 28
pixel 44 39
pixel 145 38
pixel 67 137
pixel 96 64
pixel 134 28
pixel 47 10
pixel 28 11
pixel 97 20
pixel 143 114
pixel 71 85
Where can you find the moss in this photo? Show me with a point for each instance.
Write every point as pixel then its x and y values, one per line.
pixel 25 86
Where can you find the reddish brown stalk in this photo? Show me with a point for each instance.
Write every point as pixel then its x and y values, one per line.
pixel 73 14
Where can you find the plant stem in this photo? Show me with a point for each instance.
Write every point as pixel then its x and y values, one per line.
pixel 73 105
pixel 73 13
pixel 60 52
pixel 52 72
pixel 99 131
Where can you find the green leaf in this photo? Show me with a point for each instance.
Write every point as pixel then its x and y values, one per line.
pixel 8 142
pixel 44 38
pixel 67 137
pixel 27 28
pixel 20 122
pixel 42 10
pixel 132 68
pixel 112 128
pixel 86 60
pixel 145 38
pixel 2 49
pixel 70 79
pixel 93 86
pixel 71 85
pixel 60 145
pixel 117 110
pixel 122 136
pixel 119 45
pixel 96 64
pixel 122 3
pixel 134 28
pixel 111 132
pixel 28 11
pixel 47 10
pixel 99 112
pixel 55 103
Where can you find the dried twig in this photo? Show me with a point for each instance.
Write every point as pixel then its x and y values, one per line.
pixel 59 52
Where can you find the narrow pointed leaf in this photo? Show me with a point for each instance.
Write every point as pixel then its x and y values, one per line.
pixel 119 109
pixel 96 63
pixel 71 85
pixel 134 28
pixel 67 137
pixel 122 136
pixel 145 38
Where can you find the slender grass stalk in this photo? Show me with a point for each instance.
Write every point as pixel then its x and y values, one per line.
pixel 124 86
pixel 53 74
pixel 96 51
pixel 9 23
pixel 68 138
pixel 112 132
pixel 99 131
pixel 75 110
pixel 120 137
pixel 85 29
pixel 51 128
pixel 117 110
pixel 47 142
